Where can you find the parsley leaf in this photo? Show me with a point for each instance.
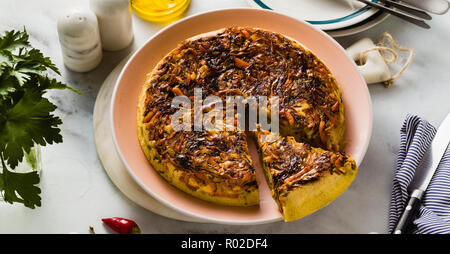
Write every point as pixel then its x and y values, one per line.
pixel 28 122
pixel 6 86
pixel 46 83
pixel 20 187
pixel 26 117
pixel 14 39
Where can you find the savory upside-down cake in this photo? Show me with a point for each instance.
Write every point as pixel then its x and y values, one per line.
pixel 304 165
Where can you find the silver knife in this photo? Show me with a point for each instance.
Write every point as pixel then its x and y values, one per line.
pixel 407 8
pixel 406 16
pixel 424 174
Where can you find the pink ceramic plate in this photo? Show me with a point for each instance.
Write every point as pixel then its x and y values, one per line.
pixel 124 105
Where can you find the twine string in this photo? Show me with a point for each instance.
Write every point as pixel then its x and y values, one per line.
pixel 387 44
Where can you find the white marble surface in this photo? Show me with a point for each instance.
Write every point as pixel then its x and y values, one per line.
pixel 76 192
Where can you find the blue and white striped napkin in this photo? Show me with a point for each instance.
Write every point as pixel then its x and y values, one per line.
pixel 434 214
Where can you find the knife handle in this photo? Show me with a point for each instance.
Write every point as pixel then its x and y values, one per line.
pixel 409 213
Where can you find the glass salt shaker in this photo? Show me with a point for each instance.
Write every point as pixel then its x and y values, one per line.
pixel 115 23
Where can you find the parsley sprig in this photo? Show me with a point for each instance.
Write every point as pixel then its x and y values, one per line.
pixel 26 116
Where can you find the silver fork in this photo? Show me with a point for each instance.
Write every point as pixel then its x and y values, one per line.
pixel 409 13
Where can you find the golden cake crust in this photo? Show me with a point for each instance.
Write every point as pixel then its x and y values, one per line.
pixel 302 178
pixel 215 165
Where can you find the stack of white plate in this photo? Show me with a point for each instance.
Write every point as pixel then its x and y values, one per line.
pixel 336 17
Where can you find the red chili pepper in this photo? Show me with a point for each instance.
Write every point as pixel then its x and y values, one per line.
pixel 122 225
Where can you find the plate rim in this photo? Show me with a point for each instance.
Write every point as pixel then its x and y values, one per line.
pixel 169 204
pixel 324 24
pixel 359 27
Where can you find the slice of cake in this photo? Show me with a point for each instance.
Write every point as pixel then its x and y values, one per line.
pixel 302 178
